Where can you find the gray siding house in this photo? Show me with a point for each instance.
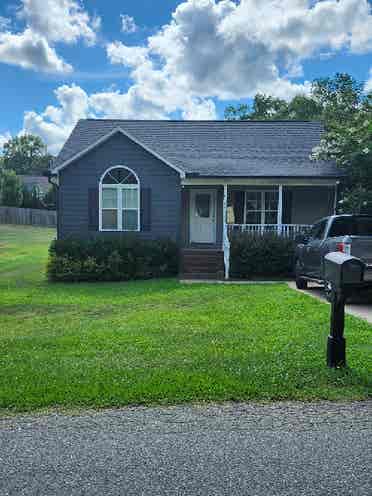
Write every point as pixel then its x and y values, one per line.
pixel 193 181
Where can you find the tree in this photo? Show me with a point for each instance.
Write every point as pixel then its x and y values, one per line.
pixel 349 143
pixel 346 112
pixel 31 198
pixel 330 100
pixel 11 191
pixel 339 97
pixel 26 154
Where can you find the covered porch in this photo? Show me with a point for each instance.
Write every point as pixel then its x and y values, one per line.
pixel 212 211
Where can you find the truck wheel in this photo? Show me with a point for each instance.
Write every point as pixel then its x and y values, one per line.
pixel 301 283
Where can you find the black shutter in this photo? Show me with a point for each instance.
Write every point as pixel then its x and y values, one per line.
pixel 145 209
pixel 93 212
pixel 287 206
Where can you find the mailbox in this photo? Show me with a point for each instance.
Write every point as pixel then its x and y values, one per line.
pixel 343 270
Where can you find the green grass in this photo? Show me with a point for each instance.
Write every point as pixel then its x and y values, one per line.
pixel 103 344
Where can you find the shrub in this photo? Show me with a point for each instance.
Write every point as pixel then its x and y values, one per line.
pixel 111 259
pixel 261 256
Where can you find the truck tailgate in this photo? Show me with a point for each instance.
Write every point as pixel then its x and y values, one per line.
pixel 361 247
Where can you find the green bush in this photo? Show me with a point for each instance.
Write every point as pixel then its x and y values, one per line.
pixel 111 259
pixel 261 256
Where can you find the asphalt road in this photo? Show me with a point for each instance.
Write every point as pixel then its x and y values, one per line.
pixel 235 449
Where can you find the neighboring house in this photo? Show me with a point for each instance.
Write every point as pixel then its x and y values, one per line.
pixel 193 181
pixel 40 184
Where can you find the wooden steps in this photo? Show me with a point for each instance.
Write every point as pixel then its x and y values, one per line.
pixel 202 264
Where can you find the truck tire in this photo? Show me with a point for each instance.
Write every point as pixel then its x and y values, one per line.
pixel 301 282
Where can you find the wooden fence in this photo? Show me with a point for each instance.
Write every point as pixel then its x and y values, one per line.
pixel 28 216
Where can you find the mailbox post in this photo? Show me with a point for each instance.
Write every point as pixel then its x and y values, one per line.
pixel 344 273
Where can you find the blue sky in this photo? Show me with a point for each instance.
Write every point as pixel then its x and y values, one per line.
pixel 66 59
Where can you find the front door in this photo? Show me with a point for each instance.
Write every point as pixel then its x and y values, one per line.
pixel 202 216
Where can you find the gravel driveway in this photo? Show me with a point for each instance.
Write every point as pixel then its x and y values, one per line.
pixel 234 449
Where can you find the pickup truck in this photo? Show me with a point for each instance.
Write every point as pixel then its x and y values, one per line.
pixel 350 234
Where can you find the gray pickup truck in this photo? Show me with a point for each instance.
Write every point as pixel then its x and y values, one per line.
pixel 350 234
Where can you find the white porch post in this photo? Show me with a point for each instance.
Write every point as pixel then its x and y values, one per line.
pixel 280 209
pixel 335 201
pixel 225 236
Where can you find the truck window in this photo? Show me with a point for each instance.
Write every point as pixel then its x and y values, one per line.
pixel 317 232
pixel 351 226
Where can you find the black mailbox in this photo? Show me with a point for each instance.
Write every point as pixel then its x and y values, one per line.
pixel 343 270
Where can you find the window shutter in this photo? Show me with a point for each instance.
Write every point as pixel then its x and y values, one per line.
pixel 93 209
pixel 287 206
pixel 145 209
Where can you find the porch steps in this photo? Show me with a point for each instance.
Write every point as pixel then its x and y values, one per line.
pixel 202 264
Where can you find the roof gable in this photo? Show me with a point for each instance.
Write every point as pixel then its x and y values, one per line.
pixel 103 139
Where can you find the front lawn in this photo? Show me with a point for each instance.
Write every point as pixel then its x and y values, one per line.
pixel 111 344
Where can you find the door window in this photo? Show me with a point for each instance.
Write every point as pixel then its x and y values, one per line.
pixel 203 205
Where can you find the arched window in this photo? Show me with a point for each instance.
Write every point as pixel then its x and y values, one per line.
pixel 119 200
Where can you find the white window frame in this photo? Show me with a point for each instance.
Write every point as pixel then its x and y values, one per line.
pixel 119 199
pixel 262 210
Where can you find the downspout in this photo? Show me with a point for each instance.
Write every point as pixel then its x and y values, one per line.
pixel 225 240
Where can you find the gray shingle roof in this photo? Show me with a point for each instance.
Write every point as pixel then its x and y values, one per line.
pixel 217 148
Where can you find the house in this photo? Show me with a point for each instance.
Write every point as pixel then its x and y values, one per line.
pixel 39 184
pixel 193 181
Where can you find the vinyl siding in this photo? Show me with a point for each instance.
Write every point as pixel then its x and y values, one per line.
pixel 77 178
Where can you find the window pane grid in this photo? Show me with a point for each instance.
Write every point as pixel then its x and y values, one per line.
pixel 261 207
pixel 119 201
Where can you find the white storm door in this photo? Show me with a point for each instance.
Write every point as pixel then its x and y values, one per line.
pixel 202 216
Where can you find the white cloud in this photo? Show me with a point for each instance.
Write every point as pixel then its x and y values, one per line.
pixel 30 51
pixel 60 20
pixel 231 50
pixel 128 24
pixel 214 50
pixel 197 109
pixel 368 85
pixel 129 56
pixel 4 23
pixel 47 22
pixel 3 139
pixel 56 122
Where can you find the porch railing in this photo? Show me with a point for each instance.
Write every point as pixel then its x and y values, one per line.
pixel 286 230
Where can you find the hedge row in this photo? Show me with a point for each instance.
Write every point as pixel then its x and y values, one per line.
pixel 264 255
pixel 111 259
pixel 122 259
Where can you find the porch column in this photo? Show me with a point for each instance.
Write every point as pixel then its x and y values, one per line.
pixel 280 209
pixel 335 201
pixel 225 235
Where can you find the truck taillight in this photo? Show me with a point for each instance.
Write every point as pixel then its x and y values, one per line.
pixel 344 248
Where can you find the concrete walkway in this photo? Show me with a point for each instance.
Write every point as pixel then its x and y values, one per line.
pixel 361 307
pixel 280 449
